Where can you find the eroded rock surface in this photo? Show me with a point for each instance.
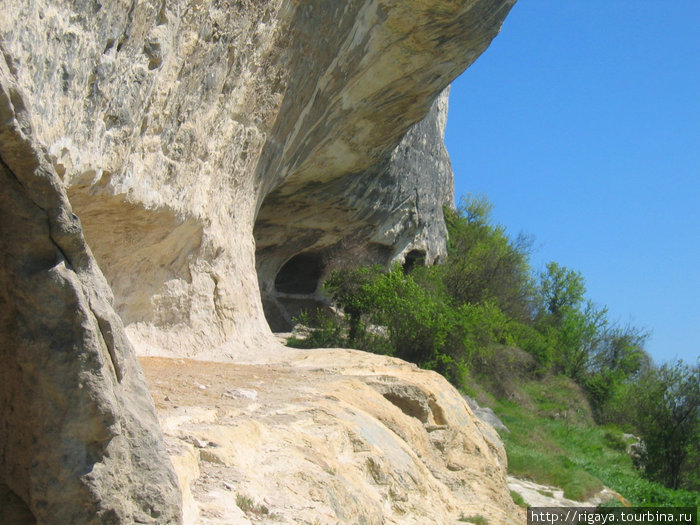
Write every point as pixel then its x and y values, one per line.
pixel 79 439
pixel 391 211
pixel 178 127
pixel 326 437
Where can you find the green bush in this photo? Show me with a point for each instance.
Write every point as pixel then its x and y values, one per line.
pixel 322 330
pixel 540 345
pixel 353 290
pixel 416 322
pixel 667 412
pixel 484 264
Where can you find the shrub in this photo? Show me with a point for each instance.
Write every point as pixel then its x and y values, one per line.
pixel 484 264
pixel 667 401
pixel 323 330
pixel 540 345
pixel 352 290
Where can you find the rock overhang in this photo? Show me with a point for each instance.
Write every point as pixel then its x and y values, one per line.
pixel 182 135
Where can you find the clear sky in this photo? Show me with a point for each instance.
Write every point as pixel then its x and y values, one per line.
pixel 581 124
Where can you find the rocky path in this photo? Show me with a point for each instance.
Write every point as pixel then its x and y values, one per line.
pixel 326 437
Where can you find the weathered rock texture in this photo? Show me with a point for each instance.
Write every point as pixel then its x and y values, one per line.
pixel 391 211
pixel 179 126
pixel 185 133
pixel 327 437
pixel 79 439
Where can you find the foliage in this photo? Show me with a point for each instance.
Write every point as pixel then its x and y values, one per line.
pixel 541 344
pixel 418 324
pixel 573 326
pixel 667 402
pixel 351 290
pixel 406 315
pixel 518 499
pixel 468 318
pixel 484 264
pixel 579 340
pixel 561 290
pixel 328 331
pixel 618 359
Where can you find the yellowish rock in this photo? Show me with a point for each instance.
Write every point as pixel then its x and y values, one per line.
pixel 367 439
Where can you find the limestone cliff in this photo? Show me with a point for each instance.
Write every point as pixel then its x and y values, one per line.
pixel 177 127
pixel 391 211
pixel 203 150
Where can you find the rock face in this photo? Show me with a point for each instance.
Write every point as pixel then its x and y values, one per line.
pixel 178 128
pixel 79 439
pixel 332 436
pixel 211 150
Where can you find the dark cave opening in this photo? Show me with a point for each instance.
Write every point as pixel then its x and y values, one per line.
pixel 301 274
pixel 413 258
pixel 13 509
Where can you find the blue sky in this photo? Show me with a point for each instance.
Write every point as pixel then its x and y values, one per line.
pixel 581 124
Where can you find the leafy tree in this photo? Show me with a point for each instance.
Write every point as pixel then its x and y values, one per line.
pixel 483 264
pixel 560 290
pixel 574 327
pixel 667 415
pixel 586 347
pixel 580 333
pixel 351 289
pixel 619 358
pixel 622 352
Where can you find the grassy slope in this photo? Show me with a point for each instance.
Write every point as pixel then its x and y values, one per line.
pixel 554 441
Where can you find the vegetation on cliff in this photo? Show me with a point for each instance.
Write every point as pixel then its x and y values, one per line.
pixel 534 348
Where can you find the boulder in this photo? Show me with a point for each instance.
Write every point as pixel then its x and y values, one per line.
pixel 327 436
pixel 79 436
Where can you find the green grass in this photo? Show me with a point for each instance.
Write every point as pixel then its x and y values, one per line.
pixel 554 441
pixel 247 505
pixel 478 519
pixel 518 499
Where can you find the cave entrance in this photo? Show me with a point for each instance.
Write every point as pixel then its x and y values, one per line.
pixel 295 291
pixel 300 275
pixel 413 258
